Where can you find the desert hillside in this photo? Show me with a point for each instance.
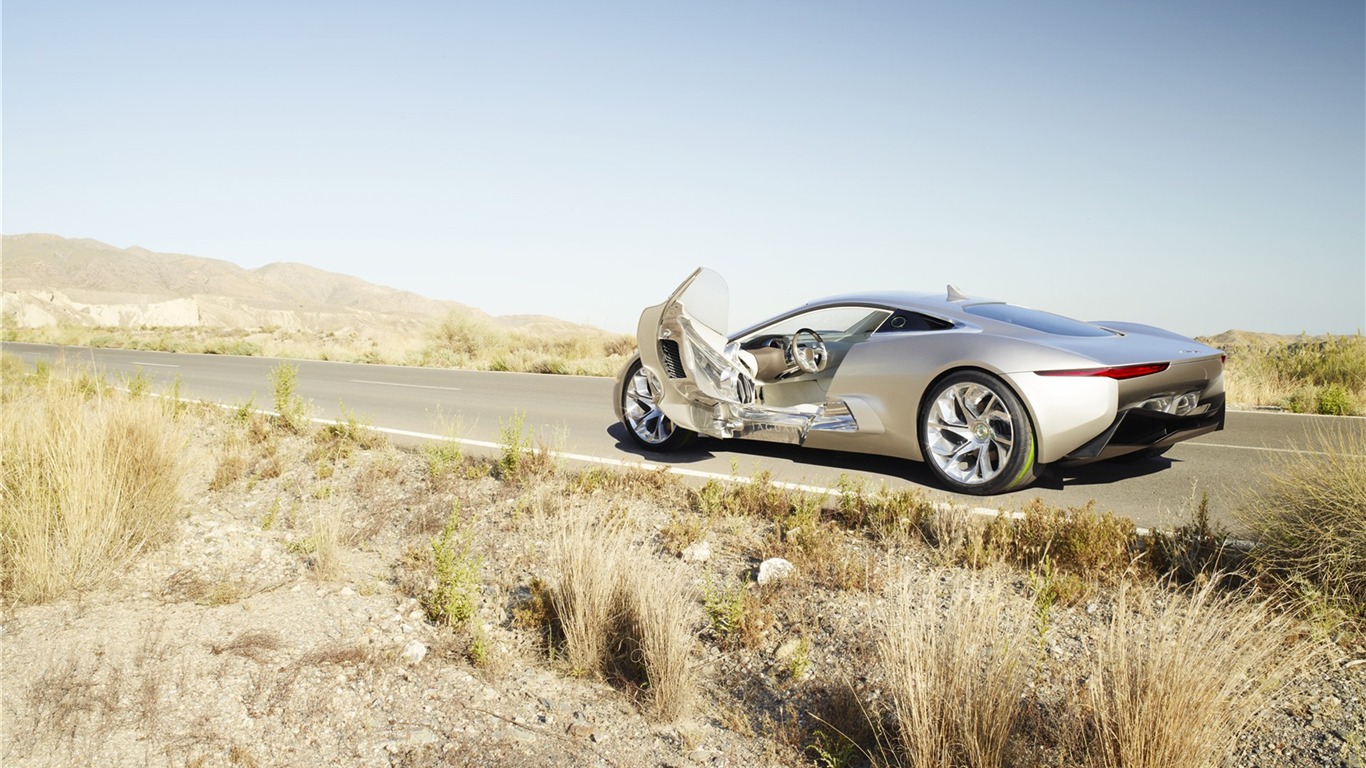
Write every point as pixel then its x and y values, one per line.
pixel 51 280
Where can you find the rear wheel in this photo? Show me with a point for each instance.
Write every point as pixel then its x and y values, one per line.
pixel 976 436
pixel 645 423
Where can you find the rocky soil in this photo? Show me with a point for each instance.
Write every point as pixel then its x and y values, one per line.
pixel 286 626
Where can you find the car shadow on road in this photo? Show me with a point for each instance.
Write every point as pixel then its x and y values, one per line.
pixel 1054 477
pixel 1101 472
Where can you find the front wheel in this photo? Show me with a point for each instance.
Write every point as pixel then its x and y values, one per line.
pixel 644 422
pixel 976 436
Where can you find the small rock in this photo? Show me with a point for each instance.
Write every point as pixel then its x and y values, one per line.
pixel 414 652
pixel 697 552
pixel 788 649
pixel 346 592
pixel 775 568
pixel 581 729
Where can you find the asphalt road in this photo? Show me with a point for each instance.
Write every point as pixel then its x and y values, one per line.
pixel 573 415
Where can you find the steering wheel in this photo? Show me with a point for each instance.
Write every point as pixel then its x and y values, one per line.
pixel 809 354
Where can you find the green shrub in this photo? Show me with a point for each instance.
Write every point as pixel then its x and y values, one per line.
pixel 1335 400
pixel 455 598
pixel 284 384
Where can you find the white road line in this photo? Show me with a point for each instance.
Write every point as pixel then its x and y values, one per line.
pixel 155 365
pixel 642 465
pixel 396 384
pixel 682 472
pixel 1277 450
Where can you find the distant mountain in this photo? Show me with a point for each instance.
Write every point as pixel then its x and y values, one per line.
pixel 49 279
pixel 1234 339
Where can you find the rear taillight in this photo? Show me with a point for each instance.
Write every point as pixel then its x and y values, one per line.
pixel 1116 372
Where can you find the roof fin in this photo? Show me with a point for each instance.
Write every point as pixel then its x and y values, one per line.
pixel 956 295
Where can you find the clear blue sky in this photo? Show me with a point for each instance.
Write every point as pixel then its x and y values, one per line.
pixel 1196 165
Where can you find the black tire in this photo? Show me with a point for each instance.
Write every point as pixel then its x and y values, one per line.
pixel 976 435
pixel 646 425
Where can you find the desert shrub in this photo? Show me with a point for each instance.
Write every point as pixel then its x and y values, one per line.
pixel 894 517
pixel 238 347
pixel 1309 524
pixel 338 440
pixel 665 488
pixel 349 431
pixel 521 456
pixel 284 386
pixel 1178 687
pixel 465 336
pixel 1078 539
pixel 87 483
pixel 454 598
pixel 621 345
pixel 1306 375
pixel 956 675
pixel 1335 400
pixel 1336 360
pixel 11 370
pixel 1197 549
pixel 756 496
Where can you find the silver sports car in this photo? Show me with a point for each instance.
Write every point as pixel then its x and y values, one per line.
pixel 986 393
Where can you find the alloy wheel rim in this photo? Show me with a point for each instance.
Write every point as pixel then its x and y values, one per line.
pixel 970 434
pixel 640 405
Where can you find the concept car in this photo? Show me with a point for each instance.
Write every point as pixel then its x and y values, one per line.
pixel 984 392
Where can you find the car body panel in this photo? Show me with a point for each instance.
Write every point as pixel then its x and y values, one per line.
pixel 870 396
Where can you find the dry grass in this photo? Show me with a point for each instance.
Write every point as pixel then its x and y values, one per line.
pixel 1081 540
pixel 659 618
pixel 1310 523
pixel 465 341
pixel 957 665
pixel 1177 689
pixel 326 545
pixel 255 644
pixel 459 340
pixel 587 558
pixel 1306 375
pixel 87 484
pixel 620 612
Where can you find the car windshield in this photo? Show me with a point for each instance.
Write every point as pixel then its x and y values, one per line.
pixel 1036 320
pixel 830 322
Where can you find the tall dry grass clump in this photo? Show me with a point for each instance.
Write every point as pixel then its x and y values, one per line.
pixel 587 559
pixel 620 612
pixel 1174 687
pixel 1309 523
pixel 957 659
pixel 659 619
pixel 89 480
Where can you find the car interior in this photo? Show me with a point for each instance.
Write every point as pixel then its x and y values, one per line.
pixel 824 336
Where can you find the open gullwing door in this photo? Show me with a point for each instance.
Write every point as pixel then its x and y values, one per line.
pixel 707 382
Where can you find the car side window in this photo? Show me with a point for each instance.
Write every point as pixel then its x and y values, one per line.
pixel 903 320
